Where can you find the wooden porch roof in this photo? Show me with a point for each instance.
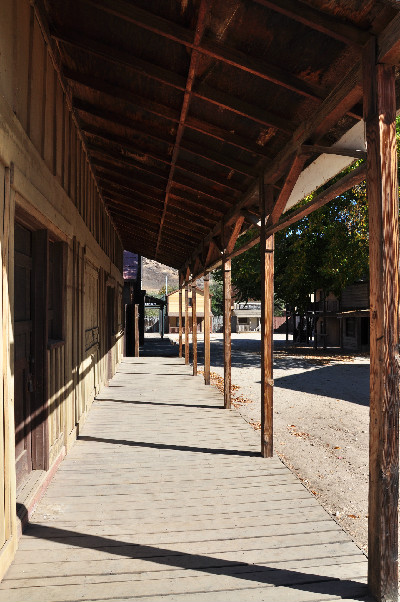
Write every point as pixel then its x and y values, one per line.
pixel 184 104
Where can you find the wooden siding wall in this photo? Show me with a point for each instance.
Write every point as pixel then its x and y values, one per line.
pixel 46 176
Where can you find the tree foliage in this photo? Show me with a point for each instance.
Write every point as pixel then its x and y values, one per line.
pixel 217 298
pixel 327 249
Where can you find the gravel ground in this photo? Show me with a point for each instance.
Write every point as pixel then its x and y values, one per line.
pixel 320 419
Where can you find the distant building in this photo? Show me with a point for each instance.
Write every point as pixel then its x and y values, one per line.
pixel 173 310
pixel 246 317
pixel 344 322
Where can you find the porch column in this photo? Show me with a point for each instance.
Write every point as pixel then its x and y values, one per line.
pixel 186 324
pixel 267 329
pixel 226 268
pixel 180 322
pixel 136 320
pixel 194 329
pixel 206 329
pixel 380 117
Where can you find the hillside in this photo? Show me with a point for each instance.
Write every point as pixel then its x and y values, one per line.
pixel 153 275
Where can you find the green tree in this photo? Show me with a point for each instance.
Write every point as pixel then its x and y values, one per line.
pixel 327 249
pixel 217 298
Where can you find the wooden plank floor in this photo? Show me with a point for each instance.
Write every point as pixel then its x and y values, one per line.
pixel 165 498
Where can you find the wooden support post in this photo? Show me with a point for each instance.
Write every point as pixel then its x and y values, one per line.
pixel 186 324
pixel 180 322
pixel 206 329
pixel 194 329
pixel 226 269
pixel 380 117
pixel 136 319
pixel 267 313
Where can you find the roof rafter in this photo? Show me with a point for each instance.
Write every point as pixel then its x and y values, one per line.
pixel 142 206
pixel 172 79
pixel 315 19
pixel 174 228
pixel 161 110
pixel 120 159
pixel 190 147
pixel 335 106
pixel 215 50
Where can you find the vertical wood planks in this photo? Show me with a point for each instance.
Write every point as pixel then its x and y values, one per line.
pixel 186 324
pixel 194 329
pixel 4 473
pixel 206 329
pixel 227 291
pixel 380 118
pixel 7 300
pixel 180 322
pixel 267 312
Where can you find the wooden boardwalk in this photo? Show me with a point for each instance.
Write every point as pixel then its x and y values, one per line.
pixel 164 497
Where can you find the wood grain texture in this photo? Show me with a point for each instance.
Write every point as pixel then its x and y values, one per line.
pixel 227 292
pixel 187 327
pixel 267 329
pixel 194 328
pixel 169 519
pixel 180 321
pixel 382 186
pixel 207 329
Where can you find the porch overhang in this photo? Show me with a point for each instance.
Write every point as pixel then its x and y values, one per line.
pixel 183 106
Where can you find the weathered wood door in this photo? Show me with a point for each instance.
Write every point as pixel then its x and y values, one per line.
pixel 23 358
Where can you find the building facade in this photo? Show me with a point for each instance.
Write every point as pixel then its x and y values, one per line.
pixel 173 311
pixel 61 285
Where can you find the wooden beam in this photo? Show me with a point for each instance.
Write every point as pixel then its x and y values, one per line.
pixel 233 235
pixel 194 59
pixel 227 291
pixel 176 229
pixel 331 26
pixel 339 101
pixel 240 107
pixel 194 328
pixel 171 78
pixel 109 174
pixel 267 312
pixel 210 48
pixel 251 218
pixel 103 155
pixel 190 147
pixel 129 169
pixel 383 200
pixel 279 206
pixel 209 192
pixel 332 150
pixel 351 179
pixel 112 118
pixel 206 329
pixel 212 249
pixel 186 324
pixel 389 43
pixel 161 110
pixel 136 320
pixel 180 320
